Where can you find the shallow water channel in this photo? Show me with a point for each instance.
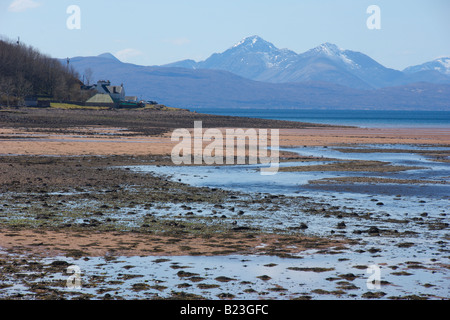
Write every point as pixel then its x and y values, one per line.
pixel 409 247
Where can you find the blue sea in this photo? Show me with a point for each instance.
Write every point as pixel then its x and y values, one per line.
pixel 359 118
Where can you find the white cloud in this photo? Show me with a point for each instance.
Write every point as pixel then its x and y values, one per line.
pixel 126 54
pixel 22 5
pixel 178 41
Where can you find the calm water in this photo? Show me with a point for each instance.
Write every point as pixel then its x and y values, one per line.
pixel 360 118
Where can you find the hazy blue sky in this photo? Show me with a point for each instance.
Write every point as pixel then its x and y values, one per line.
pixel 158 32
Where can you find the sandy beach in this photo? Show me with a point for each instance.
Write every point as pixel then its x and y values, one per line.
pixel 94 142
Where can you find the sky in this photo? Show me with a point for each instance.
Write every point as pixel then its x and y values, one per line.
pixel 159 32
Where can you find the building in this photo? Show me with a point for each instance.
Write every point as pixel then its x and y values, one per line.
pixel 102 98
pixel 131 99
pixel 117 93
pixel 108 94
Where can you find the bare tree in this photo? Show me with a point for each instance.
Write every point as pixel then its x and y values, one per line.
pixel 7 88
pixel 23 88
pixel 88 75
pixel 59 88
pixel 25 71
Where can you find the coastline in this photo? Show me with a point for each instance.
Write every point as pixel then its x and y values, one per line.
pixel 47 170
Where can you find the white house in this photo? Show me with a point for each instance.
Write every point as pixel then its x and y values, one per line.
pixel 117 93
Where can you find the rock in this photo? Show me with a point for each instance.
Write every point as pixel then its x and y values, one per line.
pixel 405 244
pixel 241 229
pixel 224 279
pixel 225 295
pixel 264 277
pixel 341 225
pixel 60 263
pixel 140 286
pixel 373 295
pixel 374 231
pixel 184 274
pixel 348 276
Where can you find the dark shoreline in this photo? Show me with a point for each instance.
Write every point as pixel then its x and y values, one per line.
pixel 146 122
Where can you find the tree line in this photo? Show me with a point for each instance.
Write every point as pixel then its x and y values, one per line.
pixel 24 71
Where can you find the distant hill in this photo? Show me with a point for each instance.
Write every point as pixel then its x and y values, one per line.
pixel 187 88
pixel 254 73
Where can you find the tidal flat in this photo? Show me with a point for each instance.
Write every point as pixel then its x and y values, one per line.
pixel 138 227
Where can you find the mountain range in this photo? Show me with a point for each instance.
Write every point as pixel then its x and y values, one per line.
pixel 441 65
pixel 256 59
pixel 254 73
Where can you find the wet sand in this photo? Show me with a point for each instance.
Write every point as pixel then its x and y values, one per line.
pixel 94 142
pixel 65 192
pixel 52 243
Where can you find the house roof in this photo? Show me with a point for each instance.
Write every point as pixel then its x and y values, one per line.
pixel 114 89
pixel 101 98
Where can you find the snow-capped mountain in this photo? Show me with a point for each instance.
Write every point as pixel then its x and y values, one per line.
pixel 252 58
pixel 327 62
pixel 331 51
pixel 256 59
pixel 441 65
